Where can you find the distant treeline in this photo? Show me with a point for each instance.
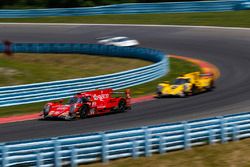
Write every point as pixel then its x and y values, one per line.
pixel 22 4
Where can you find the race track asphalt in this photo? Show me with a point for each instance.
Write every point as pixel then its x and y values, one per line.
pixel 228 49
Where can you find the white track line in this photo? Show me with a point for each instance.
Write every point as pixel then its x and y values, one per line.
pixel 128 25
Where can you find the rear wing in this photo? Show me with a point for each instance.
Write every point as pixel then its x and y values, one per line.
pixel 207 75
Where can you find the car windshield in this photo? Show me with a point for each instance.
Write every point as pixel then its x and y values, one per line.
pixel 74 100
pixel 120 39
pixel 180 81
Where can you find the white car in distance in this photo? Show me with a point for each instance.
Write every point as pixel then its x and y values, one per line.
pixel 118 41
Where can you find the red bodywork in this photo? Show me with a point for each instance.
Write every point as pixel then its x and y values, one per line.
pixel 96 102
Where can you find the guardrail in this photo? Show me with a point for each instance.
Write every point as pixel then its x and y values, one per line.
pixel 132 8
pixel 46 91
pixel 87 148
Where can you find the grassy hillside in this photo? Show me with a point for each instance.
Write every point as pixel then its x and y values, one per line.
pixel 30 68
pixel 231 19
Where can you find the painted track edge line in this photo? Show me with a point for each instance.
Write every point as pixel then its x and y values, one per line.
pixel 205 66
pixel 127 25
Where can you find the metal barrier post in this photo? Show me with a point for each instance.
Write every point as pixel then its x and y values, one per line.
pixel 73 157
pixel 186 135
pixel 134 149
pixel 161 145
pixel 39 160
pixel 37 48
pixel 223 130
pixel 57 152
pixel 147 142
pixel 104 148
pixel 211 136
pixel 4 156
pixel 235 133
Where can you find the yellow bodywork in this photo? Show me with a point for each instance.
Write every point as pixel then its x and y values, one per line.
pixel 187 84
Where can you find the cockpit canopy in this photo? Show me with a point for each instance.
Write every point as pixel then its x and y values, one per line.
pixel 74 100
pixel 180 81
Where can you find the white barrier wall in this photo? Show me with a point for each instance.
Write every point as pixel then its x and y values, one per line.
pixel 144 141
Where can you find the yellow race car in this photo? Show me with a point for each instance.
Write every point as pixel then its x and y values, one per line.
pixel 186 85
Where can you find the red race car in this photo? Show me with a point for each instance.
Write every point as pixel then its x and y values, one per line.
pixel 96 102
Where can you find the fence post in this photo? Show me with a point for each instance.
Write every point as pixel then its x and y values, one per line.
pixel 57 152
pixel 186 135
pixel 147 142
pixel 134 149
pixel 104 148
pixel 4 155
pixel 73 157
pixel 39 159
pixel 235 133
pixel 37 48
pixel 211 136
pixel 161 145
pixel 223 130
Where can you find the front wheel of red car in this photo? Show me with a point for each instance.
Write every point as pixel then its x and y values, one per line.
pixel 122 106
pixel 84 111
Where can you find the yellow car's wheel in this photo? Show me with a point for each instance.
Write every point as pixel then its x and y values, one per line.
pixel 194 90
pixel 159 94
pixel 211 86
pixel 184 94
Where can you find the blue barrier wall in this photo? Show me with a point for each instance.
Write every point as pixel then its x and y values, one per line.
pixel 168 7
pixel 46 91
pixel 94 147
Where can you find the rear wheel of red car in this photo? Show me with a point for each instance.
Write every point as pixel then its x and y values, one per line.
pixel 122 106
pixel 84 111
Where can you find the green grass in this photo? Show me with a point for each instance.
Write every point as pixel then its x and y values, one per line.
pixel 234 18
pixel 233 154
pixel 177 67
pixel 30 68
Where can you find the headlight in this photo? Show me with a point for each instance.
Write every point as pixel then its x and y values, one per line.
pixel 46 109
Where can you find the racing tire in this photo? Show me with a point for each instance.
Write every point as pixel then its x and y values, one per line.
pixel 159 95
pixel 84 111
pixel 211 86
pixel 122 106
pixel 194 90
pixel 183 95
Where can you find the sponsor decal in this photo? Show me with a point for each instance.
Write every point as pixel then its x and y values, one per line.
pixel 100 97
